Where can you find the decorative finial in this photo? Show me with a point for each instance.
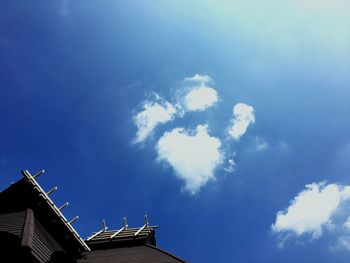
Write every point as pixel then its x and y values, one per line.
pixel 52 190
pixel 74 219
pixel 125 223
pixel 63 206
pixel 146 221
pixel 104 226
pixel 38 174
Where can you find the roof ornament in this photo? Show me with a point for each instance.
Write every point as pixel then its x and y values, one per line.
pixel 63 206
pixel 146 221
pixel 104 228
pixel 74 219
pixel 38 174
pixel 120 230
pixel 125 223
pixel 52 190
pixel 143 227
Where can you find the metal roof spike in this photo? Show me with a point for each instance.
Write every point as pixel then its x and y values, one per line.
pixel 74 219
pixel 63 206
pixel 38 174
pixel 146 221
pixel 125 223
pixel 52 190
pixel 104 226
pixel 95 235
pixel 117 232
pixel 139 231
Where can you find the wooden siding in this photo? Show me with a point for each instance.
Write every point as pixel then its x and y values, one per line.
pixel 44 244
pixel 13 223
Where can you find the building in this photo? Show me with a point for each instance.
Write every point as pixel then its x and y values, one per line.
pixel 33 229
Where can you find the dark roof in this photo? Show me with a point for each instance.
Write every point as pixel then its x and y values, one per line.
pixel 27 193
pixel 122 237
pixel 136 254
pixel 126 245
pixel 123 233
pixel 30 217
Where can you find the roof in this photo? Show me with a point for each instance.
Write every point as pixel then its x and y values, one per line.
pixel 54 208
pixel 124 236
pixel 126 244
pixel 27 193
pixel 29 215
pixel 137 254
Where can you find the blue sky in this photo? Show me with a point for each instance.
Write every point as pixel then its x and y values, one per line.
pixel 74 76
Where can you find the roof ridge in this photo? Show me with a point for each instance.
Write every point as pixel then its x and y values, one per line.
pixel 68 224
pixel 122 233
pixel 130 228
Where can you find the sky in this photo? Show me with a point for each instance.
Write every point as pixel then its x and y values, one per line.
pixel 226 122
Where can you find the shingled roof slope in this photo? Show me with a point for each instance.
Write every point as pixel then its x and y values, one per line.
pixel 137 254
pixel 124 233
pixel 122 237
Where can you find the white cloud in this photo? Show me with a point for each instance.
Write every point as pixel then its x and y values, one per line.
pixel 345 193
pixel 194 155
pixel 230 166
pixel 243 116
pixel 311 210
pixel 199 96
pixel 153 113
pixel 199 78
pixel 347 223
pixel 343 232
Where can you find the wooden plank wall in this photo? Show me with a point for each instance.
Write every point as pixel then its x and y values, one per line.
pixel 13 223
pixel 44 245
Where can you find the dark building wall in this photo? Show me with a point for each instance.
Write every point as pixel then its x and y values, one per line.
pixel 44 245
pixel 40 243
pixel 11 250
pixel 13 223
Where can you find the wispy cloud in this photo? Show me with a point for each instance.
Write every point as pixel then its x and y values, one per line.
pixel 154 112
pixel 243 116
pixel 312 210
pixel 343 243
pixel 199 78
pixel 230 166
pixel 199 96
pixel 260 144
pixel 194 155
